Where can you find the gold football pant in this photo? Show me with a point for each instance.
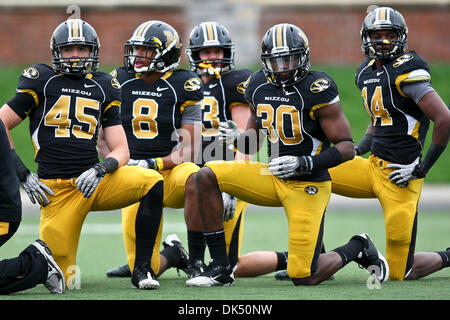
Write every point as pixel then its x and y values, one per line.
pixel 234 230
pixel 304 203
pixel 367 178
pixel 174 186
pixel 63 217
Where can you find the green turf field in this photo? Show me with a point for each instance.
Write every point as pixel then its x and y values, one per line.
pixel 101 248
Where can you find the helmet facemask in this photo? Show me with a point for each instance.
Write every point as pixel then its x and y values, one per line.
pixel 75 65
pixel 211 67
pixel 158 61
pixel 286 67
pixel 397 47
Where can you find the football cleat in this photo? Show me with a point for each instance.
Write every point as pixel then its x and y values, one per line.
pixel 283 275
pixel 172 240
pixel 119 272
pixel 215 275
pixel 56 282
pixel 371 259
pixel 195 268
pixel 144 278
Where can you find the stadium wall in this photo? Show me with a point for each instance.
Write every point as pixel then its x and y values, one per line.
pixel 333 31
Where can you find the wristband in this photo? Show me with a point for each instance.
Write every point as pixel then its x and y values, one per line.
pixel 155 163
pixel 327 159
pixel 109 165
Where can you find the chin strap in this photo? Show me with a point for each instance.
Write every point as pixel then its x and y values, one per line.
pixel 209 67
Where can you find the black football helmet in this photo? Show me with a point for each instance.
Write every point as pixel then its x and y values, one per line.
pixel 210 35
pixel 384 18
pixel 285 54
pixel 158 36
pixel 75 32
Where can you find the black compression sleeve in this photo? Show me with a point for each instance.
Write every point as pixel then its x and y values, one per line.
pixel 327 159
pixel 364 144
pixel 432 155
pixel 21 170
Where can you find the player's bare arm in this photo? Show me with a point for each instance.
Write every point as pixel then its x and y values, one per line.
pixel 337 129
pixel 116 141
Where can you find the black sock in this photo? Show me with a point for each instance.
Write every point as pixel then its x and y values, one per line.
pixel 349 251
pixel 445 255
pixel 282 258
pixel 196 245
pixel 217 246
pixel 172 255
pixel 148 218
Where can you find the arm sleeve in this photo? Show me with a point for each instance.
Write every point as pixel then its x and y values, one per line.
pixel 192 114
pixel 21 103
pixel 417 90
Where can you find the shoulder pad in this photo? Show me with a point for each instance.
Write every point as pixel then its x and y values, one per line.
pixel 193 84
pixel 37 71
pixel 408 62
pixel 106 79
pixel 31 73
pixel 317 81
pixel 320 85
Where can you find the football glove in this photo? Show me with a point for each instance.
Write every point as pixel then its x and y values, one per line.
pixel 229 205
pixel 290 166
pixel 229 132
pixel 88 181
pixel 406 172
pixel 36 190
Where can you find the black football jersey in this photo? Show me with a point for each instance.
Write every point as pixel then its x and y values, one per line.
pixel 287 115
pixel 220 96
pixel 400 125
pixel 66 116
pixel 151 113
pixel 10 203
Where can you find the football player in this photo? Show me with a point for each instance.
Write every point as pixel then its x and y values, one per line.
pixel 211 55
pixel 35 264
pixel 66 104
pixel 161 115
pixel 397 94
pixel 300 113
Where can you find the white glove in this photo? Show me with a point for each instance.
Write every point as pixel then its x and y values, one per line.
pixel 229 132
pixel 139 163
pixel 290 166
pixel 404 173
pixel 36 190
pixel 88 181
pixel 229 205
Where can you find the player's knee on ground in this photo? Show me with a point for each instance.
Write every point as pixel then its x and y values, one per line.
pixel 205 179
pixel 61 246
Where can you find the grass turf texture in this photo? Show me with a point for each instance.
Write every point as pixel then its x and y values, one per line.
pixel 101 248
pixel 350 99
